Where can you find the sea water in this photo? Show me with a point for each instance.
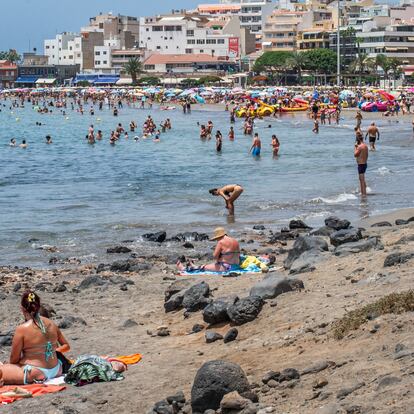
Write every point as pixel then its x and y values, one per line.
pixel 84 198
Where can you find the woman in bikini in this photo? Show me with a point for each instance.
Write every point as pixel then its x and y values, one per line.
pixel 230 193
pixel 35 343
pixel 226 255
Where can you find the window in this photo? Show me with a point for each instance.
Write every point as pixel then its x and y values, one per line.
pixel 47 47
pixel 104 52
pixel 105 62
pixel 201 41
pixel 158 47
pixel 97 62
pixel 211 41
pixel 178 28
pixel 156 29
pixel 220 41
pixel 188 51
pixel 191 41
pixel 201 51
pixel 190 33
pixel 149 67
pixel 97 53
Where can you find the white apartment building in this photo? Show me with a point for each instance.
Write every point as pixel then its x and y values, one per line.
pixel 189 34
pixel 252 13
pixel 56 49
pixel 392 41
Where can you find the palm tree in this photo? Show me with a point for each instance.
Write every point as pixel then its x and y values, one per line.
pixel 361 65
pixel 395 66
pixel 297 61
pixel 134 68
pixel 384 63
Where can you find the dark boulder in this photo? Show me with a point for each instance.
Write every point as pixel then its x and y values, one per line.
pixel 337 223
pixel 323 231
pixel 289 374
pixel 245 310
pixel 158 237
pixel 190 236
pixel 397 258
pixel 92 281
pixel 177 286
pixel 283 236
pixel 212 337
pixel 345 236
pixel 298 225
pixel 358 247
pixel 231 335
pixel 382 224
pixel 196 298
pixel 118 249
pixel 178 397
pixel 401 222
pixel 259 227
pixel 213 381
pixel 69 321
pixel 6 339
pixel 175 302
pixel 128 265
pixel 120 280
pixel 306 262
pixel 303 244
pixel 272 286
pixel 216 311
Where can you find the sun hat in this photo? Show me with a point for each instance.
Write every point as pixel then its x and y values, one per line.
pixel 219 232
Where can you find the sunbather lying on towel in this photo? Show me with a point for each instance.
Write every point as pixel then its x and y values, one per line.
pixel 35 343
pixel 226 254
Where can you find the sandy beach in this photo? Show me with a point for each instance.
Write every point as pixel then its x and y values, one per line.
pixel 113 312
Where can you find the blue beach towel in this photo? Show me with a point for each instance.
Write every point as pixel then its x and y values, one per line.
pixel 239 271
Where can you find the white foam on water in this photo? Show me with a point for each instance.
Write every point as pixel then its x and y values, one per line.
pixel 384 171
pixel 341 198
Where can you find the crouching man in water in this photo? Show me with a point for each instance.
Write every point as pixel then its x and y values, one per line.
pixel 230 193
pixel 33 355
pixel 361 155
pixel 226 254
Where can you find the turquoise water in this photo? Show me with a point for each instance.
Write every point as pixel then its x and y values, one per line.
pixel 83 198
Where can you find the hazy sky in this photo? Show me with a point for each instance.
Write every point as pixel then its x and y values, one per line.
pixel 25 21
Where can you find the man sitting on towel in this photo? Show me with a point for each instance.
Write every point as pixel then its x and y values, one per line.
pixel 226 255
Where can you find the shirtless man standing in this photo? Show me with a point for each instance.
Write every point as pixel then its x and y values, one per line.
pixel 361 155
pixel 373 133
pixel 256 146
pixel 230 193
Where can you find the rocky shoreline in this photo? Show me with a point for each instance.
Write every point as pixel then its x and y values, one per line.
pixel 285 341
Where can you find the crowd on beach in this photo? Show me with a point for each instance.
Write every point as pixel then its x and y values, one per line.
pixel 38 343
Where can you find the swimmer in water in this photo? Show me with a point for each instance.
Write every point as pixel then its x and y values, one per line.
pixel 12 142
pixel 23 144
pixel 49 139
pixel 231 134
pixel 275 145
pixel 230 193
pixel 157 137
pixel 219 141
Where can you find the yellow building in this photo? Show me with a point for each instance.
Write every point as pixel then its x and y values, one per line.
pixel 280 30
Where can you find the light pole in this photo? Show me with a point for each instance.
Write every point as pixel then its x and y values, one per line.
pixel 338 47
